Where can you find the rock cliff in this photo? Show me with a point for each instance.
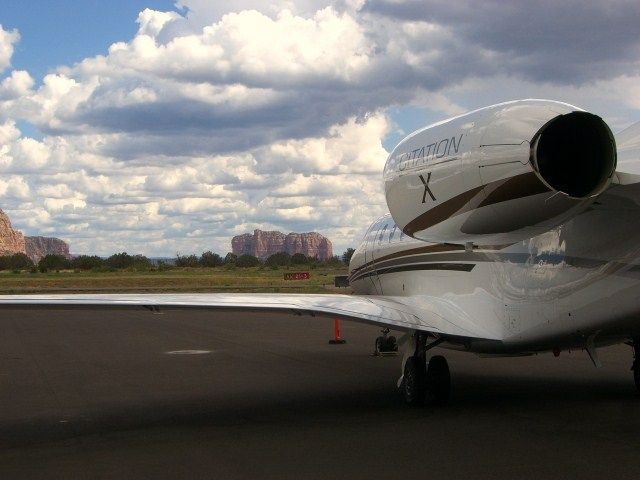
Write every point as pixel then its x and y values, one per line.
pixel 262 244
pixel 11 241
pixel 38 247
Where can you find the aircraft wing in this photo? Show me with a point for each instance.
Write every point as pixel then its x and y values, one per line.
pixel 393 312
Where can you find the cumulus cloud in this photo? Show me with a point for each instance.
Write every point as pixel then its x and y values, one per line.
pixel 200 13
pixel 102 204
pixel 353 147
pixel 248 79
pixel 569 42
pixel 8 133
pixel 248 74
pixel 7 41
pixel 17 85
pixel 269 78
pixel 152 22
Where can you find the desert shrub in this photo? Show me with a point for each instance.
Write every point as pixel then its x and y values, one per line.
pixel 210 259
pixel 333 262
pixel 140 262
pixel 299 259
pixel 17 261
pixel 246 261
pixel 119 261
pixel 87 262
pixel 280 259
pixel 187 261
pixel 53 262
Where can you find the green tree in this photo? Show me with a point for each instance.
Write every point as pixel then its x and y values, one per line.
pixel 17 261
pixel 280 259
pixel 140 262
pixel 346 256
pixel 299 259
pixel 53 262
pixel 162 265
pixel 333 262
pixel 120 261
pixel 230 259
pixel 210 259
pixel 87 262
pixel 187 261
pixel 245 261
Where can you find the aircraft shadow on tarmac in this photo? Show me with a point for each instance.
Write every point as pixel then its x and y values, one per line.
pixel 479 395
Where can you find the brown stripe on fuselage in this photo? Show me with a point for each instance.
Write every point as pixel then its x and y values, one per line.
pixel 519 186
pixel 439 247
pixel 434 248
pixel 448 266
pixel 441 251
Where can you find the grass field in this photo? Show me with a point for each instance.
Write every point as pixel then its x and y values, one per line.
pixel 182 280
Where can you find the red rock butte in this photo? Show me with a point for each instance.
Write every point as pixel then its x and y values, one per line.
pixel 13 241
pixel 262 244
pixel 38 247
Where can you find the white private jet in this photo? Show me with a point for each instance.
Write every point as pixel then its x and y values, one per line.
pixel 513 229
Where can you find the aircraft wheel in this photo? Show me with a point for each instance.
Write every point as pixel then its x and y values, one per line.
pixel 379 343
pixel 635 343
pixel 385 345
pixel 392 344
pixel 414 384
pixel 438 381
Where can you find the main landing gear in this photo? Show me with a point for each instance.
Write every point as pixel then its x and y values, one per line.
pixel 422 383
pixel 636 361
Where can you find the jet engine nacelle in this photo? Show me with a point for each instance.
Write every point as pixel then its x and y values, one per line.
pixel 499 174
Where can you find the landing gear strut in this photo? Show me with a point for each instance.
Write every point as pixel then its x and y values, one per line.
pixel 422 383
pixel 636 361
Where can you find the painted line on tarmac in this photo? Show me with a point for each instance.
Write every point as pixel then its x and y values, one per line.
pixel 188 352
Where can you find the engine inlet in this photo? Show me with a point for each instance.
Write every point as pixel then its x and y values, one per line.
pixel 575 154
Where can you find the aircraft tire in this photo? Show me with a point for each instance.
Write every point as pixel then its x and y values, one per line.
pixel 438 381
pixel 378 348
pixel 414 384
pixel 385 345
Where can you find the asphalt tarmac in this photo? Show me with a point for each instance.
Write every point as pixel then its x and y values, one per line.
pixel 117 396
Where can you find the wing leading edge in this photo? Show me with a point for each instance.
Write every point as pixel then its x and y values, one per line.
pixel 393 312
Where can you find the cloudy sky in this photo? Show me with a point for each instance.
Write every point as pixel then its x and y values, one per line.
pixel 157 128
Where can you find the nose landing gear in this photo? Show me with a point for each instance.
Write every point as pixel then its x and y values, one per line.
pixel 386 344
